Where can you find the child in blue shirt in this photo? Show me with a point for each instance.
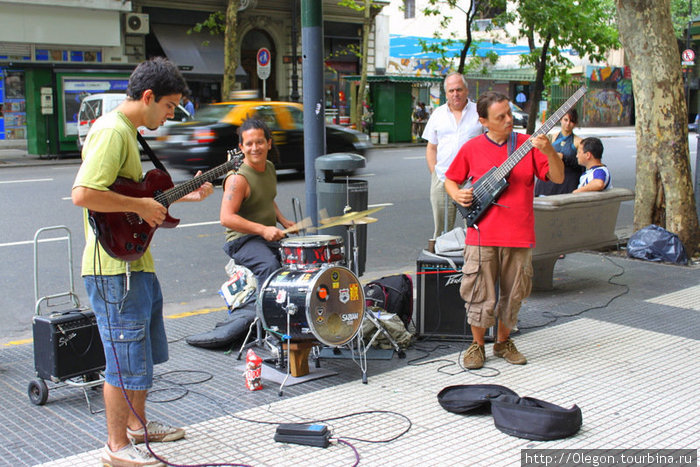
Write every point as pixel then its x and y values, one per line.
pixel 597 176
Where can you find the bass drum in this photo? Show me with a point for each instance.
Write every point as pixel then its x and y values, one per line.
pixel 327 304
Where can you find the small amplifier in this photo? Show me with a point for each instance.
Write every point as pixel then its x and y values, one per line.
pixel 441 312
pixel 67 344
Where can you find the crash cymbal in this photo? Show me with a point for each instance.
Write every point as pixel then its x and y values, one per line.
pixel 347 218
pixel 360 221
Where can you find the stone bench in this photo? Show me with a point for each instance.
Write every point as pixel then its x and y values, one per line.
pixel 570 223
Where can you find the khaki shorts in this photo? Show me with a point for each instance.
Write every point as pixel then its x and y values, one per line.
pixel 486 267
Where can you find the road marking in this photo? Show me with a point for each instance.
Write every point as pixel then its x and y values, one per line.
pixel 201 311
pixel 19 342
pixel 30 180
pixel 413 157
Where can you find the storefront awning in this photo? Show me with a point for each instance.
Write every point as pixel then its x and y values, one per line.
pixel 196 53
pixel 397 79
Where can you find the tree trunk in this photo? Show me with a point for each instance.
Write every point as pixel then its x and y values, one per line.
pixel 536 94
pixel 664 189
pixel 230 37
pixel 366 28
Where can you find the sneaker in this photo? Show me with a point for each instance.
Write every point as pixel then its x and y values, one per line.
pixel 508 351
pixel 157 433
pixel 129 456
pixel 474 357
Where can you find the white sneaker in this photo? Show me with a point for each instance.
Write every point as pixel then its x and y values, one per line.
pixel 157 433
pixel 129 456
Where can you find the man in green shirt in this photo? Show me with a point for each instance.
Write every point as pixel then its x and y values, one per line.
pixel 126 297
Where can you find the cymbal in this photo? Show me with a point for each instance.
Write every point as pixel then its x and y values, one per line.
pixel 347 218
pixel 360 221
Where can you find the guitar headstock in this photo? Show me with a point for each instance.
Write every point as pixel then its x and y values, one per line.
pixel 236 156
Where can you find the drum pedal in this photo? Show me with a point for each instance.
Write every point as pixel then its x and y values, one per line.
pixel 308 435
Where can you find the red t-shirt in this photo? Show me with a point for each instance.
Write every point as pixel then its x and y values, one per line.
pixel 512 224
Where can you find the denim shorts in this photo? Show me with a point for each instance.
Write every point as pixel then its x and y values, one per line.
pixel 133 329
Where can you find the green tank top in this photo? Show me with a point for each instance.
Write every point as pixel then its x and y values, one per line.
pixel 259 206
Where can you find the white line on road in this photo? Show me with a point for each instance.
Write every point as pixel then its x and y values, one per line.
pixel 414 157
pixel 31 180
pixel 29 242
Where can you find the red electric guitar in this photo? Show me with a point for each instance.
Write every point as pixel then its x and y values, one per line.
pixel 124 235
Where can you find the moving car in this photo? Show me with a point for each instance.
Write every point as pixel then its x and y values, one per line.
pixel 520 118
pixel 202 144
pixel 95 105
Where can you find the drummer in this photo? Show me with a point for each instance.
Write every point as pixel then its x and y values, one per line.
pixel 248 208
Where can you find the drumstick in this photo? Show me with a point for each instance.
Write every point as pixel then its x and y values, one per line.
pixel 302 224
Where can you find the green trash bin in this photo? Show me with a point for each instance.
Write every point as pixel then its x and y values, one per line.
pixel 336 192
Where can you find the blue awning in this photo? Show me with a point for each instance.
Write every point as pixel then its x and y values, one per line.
pixel 409 47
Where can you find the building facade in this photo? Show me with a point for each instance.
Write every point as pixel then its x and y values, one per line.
pixel 55 52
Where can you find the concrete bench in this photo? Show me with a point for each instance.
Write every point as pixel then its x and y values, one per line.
pixel 573 222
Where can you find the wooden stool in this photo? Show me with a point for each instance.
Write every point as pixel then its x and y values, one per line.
pixel 299 357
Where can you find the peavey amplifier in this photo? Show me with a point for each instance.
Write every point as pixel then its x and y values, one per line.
pixel 440 312
pixel 67 344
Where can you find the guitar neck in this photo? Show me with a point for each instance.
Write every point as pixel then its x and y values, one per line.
pixel 504 169
pixel 173 194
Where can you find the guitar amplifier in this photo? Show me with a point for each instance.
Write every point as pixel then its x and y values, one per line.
pixel 67 344
pixel 441 312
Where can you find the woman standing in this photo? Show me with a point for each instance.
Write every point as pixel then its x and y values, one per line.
pixel 566 144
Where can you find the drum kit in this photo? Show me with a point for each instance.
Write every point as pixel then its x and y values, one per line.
pixel 316 297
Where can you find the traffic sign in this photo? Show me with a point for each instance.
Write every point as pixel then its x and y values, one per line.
pixel 263 58
pixel 688 55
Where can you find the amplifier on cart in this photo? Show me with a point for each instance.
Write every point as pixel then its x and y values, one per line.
pixel 441 312
pixel 67 344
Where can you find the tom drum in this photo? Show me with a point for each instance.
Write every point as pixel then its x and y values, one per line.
pixel 311 251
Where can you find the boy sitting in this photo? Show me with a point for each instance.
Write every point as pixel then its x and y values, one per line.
pixel 597 176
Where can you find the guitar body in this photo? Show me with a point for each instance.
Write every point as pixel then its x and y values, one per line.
pixel 125 235
pixel 486 191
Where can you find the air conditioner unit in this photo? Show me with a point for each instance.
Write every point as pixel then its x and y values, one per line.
pixel 137 23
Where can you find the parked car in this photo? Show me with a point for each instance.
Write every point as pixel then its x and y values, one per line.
pixel 94 106
pixel 202 144
pixel 520 117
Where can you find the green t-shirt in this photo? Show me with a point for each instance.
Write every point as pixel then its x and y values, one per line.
pixel 110 151
pixel 260 205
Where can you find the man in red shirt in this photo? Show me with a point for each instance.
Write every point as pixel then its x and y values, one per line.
pixel 499 250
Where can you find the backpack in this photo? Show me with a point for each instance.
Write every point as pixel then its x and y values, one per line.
pixel 392 293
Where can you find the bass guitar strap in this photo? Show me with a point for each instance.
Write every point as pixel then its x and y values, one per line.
pixel 512 142
pixel 151 155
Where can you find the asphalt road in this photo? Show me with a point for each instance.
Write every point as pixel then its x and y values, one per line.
pixel 189 259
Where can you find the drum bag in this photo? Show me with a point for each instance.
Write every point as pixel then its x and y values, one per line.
pixel 225 333
pixel 534 419
pixel 471 397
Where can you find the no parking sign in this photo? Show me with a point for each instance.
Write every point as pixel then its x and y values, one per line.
pixel 263 59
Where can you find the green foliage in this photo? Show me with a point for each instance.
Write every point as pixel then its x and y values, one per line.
pixel 679 15
pixel 215 24
pixel 585 26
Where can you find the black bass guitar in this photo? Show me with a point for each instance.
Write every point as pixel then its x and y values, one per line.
pixel 489 187
pixel 124 235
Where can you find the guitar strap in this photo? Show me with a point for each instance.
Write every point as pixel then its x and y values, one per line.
pixel 512 141
pixel 149 152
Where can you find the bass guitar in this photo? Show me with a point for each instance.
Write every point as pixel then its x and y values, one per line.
pixel 124 235
pixel 489 187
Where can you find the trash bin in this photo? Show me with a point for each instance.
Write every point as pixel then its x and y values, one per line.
pixel 335 193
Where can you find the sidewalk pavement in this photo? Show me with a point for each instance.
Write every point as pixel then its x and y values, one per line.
pixel 14 155
pixel 617 337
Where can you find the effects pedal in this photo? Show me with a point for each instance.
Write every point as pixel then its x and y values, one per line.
pixel 298 433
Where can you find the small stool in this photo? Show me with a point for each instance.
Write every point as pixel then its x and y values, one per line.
pixel 299 357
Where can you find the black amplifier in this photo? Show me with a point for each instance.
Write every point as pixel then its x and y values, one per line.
pixel 440 311
pixel 67 344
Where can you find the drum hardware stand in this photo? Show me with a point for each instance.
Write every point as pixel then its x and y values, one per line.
pixel 259 340
pixel 291 309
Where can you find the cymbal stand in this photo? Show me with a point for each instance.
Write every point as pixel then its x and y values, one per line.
pixel 290 309
pixel 369 314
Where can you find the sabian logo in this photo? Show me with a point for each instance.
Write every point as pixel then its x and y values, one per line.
pixel 349 316
pixel 454 279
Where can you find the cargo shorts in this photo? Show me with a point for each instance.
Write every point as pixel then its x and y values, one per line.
pixel 132 329
pixel 488 267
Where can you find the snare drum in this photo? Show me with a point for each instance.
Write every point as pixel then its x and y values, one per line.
pixel 311 251
pixel 326 304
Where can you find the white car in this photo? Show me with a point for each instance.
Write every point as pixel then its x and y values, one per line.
pixel 95 105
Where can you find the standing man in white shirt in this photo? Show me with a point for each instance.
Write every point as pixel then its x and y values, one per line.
pixel 449 127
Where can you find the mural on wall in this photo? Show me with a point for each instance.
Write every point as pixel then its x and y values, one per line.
pixel 610 105
pixel 415 67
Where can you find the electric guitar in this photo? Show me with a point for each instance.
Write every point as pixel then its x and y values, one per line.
pixel 489 187
pixel 124 235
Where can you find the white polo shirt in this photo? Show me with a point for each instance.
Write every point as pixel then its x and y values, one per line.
pixel 449 135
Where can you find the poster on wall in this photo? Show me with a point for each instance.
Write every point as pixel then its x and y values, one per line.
pixel 13 116
pixel 76 88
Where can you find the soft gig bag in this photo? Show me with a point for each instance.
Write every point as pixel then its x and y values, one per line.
pixel 530 418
